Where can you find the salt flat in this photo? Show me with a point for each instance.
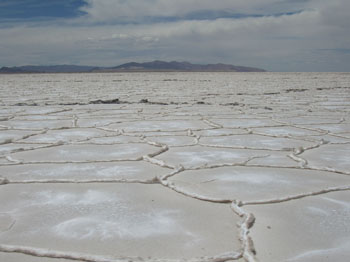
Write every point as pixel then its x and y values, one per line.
pixel 175 167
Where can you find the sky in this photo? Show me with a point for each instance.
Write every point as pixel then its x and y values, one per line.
pixel 276 35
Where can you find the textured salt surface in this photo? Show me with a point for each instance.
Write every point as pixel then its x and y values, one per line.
pixel 211 167
pixel 316 230
pixel 111 219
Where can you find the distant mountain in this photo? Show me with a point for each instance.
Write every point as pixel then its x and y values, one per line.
pixel 158 66
pixel 11 70
pixel 48 69
pixel 182 66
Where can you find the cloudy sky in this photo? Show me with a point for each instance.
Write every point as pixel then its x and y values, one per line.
pixel 277 35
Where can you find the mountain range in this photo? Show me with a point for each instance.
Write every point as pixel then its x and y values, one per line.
pixel 155 66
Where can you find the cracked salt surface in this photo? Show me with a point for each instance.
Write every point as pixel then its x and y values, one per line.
pixel 124 170
pixel 113 220
pixel 255 141
pixel 330 156
pixel 316 230
pixel 85 153
pixel 200 167
pixel 251 183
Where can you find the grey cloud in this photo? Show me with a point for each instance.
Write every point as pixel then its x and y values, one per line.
pixel 276 43
pixel 135 10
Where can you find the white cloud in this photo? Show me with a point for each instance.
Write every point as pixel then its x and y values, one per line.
pixel 309 40
pixel 130 10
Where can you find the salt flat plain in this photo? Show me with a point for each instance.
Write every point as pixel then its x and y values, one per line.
pixel 175 167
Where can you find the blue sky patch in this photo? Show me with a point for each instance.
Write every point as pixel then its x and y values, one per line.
pixel 37 9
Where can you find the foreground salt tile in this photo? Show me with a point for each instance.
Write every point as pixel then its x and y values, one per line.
pixel 157 134
pixel 256 142
pixel 248 183
pixel 332 128
pixel 171 125
pixel 37 111
pixel 8 148
pixel 86 153
pixel 37 124
pixel 312 229
pixel 221 132
pixel 96 122
pixel 66 135
pixel 114 139
pixel 195 156
pixel 115 220
pixel 6 135
pixel 275 159
pixel 245 123
pixel 13 257
pixel 125 170
pixel 329 156
pixel 332 139
pixel 311 120
pixel 286 131
pixel 173 141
